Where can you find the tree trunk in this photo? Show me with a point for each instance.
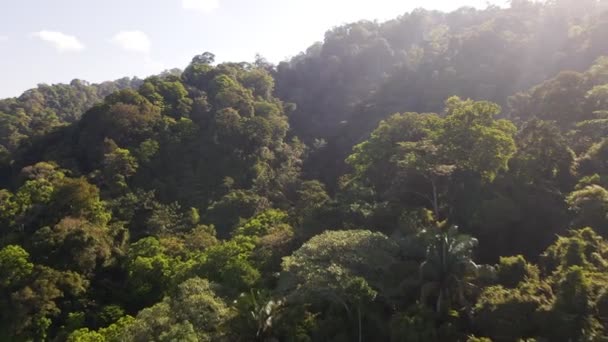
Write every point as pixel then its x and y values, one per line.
pixel 359 323
pixel 435 200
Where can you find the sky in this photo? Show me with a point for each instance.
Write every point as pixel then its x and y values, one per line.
pixel 55 41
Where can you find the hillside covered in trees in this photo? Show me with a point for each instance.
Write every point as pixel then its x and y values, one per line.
pixel 436 177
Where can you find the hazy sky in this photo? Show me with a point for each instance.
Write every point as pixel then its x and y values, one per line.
pixel 52 41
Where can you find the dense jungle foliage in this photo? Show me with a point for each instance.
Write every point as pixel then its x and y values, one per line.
pixel 436 177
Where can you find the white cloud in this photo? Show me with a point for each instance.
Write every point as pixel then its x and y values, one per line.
pixel 139 42
pixel 134 41
pixel 61 41
pixel 204 6
pixel 3 38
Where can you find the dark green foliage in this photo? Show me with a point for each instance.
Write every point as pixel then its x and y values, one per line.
pixel 74 244
pixel 366 70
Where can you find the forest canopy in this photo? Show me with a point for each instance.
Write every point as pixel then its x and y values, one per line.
pixel 435 177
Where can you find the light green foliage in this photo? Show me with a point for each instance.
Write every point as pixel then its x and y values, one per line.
pixel 229 264
pixel 341 269
pixel 193 313
pixel 414 153
pixel 585 181
pixel 563 304
pixel 110 314
pixel 194 216
pixel 38 191
pixel 597 98
pixel 46 197
pixel 150 270
pixel 119 165
pixel 573 306
pixel 263 223
pixel 594 160
pixel 311 195
pixel 85 335
pixel 328 257
pixel 169 94
pixel 151 322
pixel 273 238
pixel 49 171
pixel 8 208
pixel 511 271
pixel 590 205
pixel 507 314
pixel 146 150
pixel 478 339
pixel 114 332
pixel 260 81
pixel 180 332
pixel 197 303
pixel 474 139
pixel 15 266
pixel 582 247
pixel 601 305
pixel 374 158
pixel 228 93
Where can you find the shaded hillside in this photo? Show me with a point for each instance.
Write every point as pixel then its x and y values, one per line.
pixel 364 71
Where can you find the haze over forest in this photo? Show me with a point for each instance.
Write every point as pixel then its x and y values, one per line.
pixel 432 176
pixel 131 39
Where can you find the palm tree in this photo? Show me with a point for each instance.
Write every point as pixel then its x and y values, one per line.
pixel 447 266
pixel 262 311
